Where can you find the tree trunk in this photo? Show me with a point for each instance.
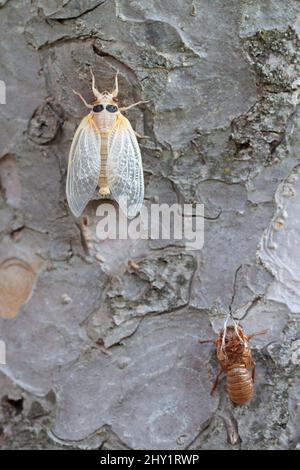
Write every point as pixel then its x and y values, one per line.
pixel 102 337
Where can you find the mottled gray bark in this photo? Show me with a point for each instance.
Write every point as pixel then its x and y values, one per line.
pixel 99 353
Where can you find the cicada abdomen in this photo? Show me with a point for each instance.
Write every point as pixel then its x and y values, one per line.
pixel 239 384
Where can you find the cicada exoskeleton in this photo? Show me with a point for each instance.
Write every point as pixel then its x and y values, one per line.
pixel 235 359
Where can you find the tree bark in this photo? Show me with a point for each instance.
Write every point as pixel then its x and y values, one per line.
pixel 102 337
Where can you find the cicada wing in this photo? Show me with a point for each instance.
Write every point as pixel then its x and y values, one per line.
pixel 84 165
pixel 124 168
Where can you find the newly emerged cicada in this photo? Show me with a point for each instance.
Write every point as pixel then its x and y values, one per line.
pixel 105 154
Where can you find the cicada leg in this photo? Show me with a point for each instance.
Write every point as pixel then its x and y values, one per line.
pixel 140 136
pixel 96 93
pixel 216 382
pixel 258 333
pixel 205 341
pixel 132 105
pixel 116 90
pixel 253 371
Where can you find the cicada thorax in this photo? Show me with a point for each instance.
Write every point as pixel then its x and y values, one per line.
pixel 232 347
pixel 105 120
pixel 105 114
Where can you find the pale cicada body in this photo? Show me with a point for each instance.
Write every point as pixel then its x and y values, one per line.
pixel 105 154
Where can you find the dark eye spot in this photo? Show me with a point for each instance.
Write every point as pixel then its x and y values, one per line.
pixel 98 108
pixel 111 108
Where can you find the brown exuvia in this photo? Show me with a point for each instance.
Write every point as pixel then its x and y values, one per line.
pixel 235 358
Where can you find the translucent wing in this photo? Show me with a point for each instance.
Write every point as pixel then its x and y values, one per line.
pixel 124 168
pixel 84 165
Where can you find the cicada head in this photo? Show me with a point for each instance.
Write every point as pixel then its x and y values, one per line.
pixel 104 107
pixel 105 97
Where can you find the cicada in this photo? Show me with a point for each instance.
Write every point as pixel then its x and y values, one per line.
pixel 235 358
pixel 105 154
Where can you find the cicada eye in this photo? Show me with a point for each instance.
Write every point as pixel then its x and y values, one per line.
pixel 98 108
pixel 111 108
